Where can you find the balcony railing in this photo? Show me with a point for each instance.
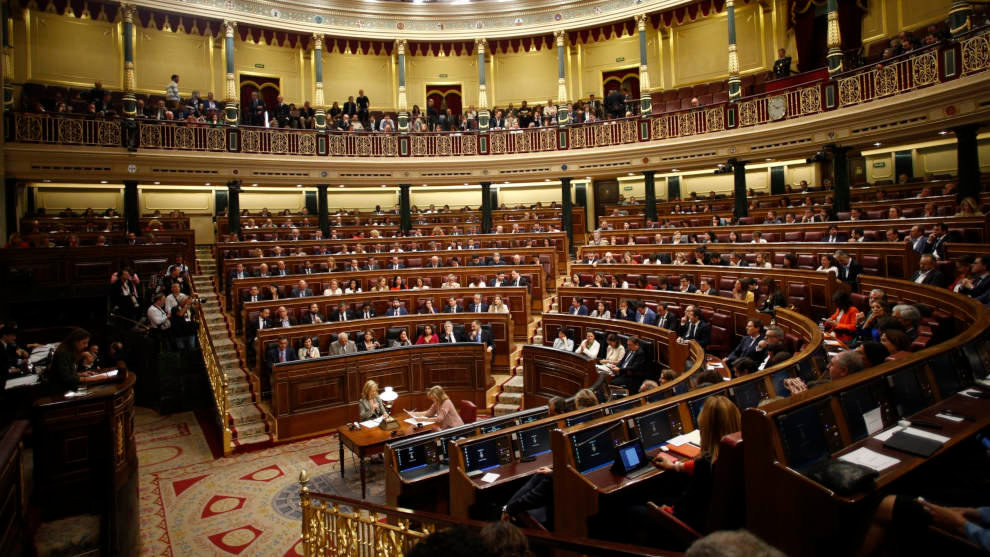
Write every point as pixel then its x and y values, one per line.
pixel 940 63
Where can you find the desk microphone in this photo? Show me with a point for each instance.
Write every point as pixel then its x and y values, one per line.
pixel 597 435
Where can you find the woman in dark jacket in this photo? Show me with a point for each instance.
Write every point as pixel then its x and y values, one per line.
pixel 61 375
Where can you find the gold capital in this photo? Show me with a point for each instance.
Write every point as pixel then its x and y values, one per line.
pixel 127 12
pixel 401 45
pixel 228 28
pixel 317 41
pixel 641 22
pixel 481 43
pixel 560 37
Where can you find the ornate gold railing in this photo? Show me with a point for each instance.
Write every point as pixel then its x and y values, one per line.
pixel 65 130
pixel 334 526
pixel 923 68
pixel 218 381
pixel 185 137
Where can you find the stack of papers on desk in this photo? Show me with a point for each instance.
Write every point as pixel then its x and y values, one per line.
pixel 25 381
pixel 870 459
pixel 694 438
pixel 374 422
pixel 414 421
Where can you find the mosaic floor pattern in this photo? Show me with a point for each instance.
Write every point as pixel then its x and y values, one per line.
pixel 247 505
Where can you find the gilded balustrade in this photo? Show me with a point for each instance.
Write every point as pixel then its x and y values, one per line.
pixel 218 382
pixel 899 76
pixel 59 130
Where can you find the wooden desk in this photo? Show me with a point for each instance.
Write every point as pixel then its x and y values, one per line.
pixel 311 396
pixel 14 534
pixel 85 458
pixel 369 441
pixel 410 245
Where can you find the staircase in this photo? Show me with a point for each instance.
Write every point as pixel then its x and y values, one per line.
pixel 507 395
pixel 245 418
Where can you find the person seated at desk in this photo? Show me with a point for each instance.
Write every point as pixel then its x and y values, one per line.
pixel 718 418
pixel 589 346
pixel 633 369
pixel 343 345
pixel 562 342
pixel 498 306
pixel 843 321
pixel 899 519
pixel 428 336
pixel 308 351
pixel 695 328
pixel 442 409
pixel 368 342
pixel 845 363
pixel 61 375
pixel 748 346
pixel 537 492
pixel 403 340
pixel 370 404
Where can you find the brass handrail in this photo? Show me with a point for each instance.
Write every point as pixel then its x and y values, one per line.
pixel 335 526
pixel 218 381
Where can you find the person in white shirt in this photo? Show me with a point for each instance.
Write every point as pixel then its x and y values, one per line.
pixel 828 265
pixel 498 306
pixel 308 351
pixel 333 289
pixel 602 312
pixel 589 346
pixel 175 298
pixel 614 353
pixel 157 315
pixel 758 238
pixel 562 342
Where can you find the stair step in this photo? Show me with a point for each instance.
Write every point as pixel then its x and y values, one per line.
pixel 252 440
pixel 514 385
pixel 239 398
pixel 247 414
pixel 514 399
pixel 503 409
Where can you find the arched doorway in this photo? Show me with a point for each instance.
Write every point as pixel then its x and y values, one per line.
pixel 618 79
pixel 268 88
pixel 445 94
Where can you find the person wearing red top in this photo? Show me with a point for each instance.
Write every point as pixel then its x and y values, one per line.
pixel 428 336
pixel 843 321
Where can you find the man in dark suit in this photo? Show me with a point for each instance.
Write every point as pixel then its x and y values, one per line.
pixel 237 273
pixel 616 104
pixel 747 346
pixel 537 493
pixel 253 295
pixel 695 329
pixel 979 282
pixel 577 308
pixel 516 279
pixel 396 310
pixel 449 335
pixel 624 312
pixel 367 312
pixel 927 273
pixel 782 67
pixel 478 334
pixel 499 280
pixel 766 349
pixel 263 321
pixel 434 263
pixel 937 240
pixel 313 316
pixel 350 107
pixel 280 269
pixel 667 319
pixel 477 305
pixel 395 264
pixel 736 261
pixel 633 369
pixel 301 290
pixel 307 268
pixel 372 265
pixel 832 237
pixel 645 315
pixel 849 269
pixel 452 306
pixel 342 313
pixel 282 318
pixel 917 240
pixel 475 261
pixel 281 352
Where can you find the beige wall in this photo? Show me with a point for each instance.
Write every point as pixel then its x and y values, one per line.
pixel 887 17
pixel 529 194
pixel 530 76
pixel 190 56
pixel 428 70
pixel 362 198
pixel 281 62
pixel 934 157
pixel 603 56
pixel 344 74
pixel 70 51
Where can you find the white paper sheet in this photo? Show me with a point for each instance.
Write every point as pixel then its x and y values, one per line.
pixel 884 435
pixel 25 381
pixel 869 458
pixel 970 392
pixel 874 421
pixel 926 434
pixel 414 421
pixel 489 477
pixel 374 422
pixel 956 419
pixel 694 437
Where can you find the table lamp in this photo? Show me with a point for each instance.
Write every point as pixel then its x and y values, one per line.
pixel 388 397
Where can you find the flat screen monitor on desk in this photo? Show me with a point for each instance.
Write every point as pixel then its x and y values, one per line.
pixel 492 428
pixel 623 406
pixel 532 417
pixel 594 448
pixel 947 377
pixel 654 429
pixel 586 417
pixel 411 457
pixel 907 393
pixel 696 405
pixel 803 437
pixel 534 441
pixel 443 443
pixel 856 404
pixel 481 455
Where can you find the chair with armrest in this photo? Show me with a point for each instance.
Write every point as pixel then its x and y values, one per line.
pixel 468 411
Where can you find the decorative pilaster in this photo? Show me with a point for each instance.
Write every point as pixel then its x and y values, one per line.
pixel 740 192
pixel 320 118
pixel 129 100
pixel 8 62
pixel 650 194
pixel 834 38
pixel 234 207
pixel 400 48
pixel 567 211
pixel 483 114
pixel 405 213
pixel 959 17
pixel 645 100
pixel 231 109
pixel 735 84
pixel 486 207
pixel 563 117
pixel 840 177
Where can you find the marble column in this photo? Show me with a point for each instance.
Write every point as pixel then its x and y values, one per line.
pixel 320 117
pixel 483 114
pixel 563 115
pixel 834 37
pixel 231 109
pixel 735 84
pixel 403 104
pixel 645 100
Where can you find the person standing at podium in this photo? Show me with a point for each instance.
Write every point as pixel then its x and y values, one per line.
pixel 61 376
pixel 370 404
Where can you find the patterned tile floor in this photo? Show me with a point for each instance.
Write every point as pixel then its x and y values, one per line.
pixel 248 504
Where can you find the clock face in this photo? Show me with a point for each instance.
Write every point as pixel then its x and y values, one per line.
pixel 777 107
